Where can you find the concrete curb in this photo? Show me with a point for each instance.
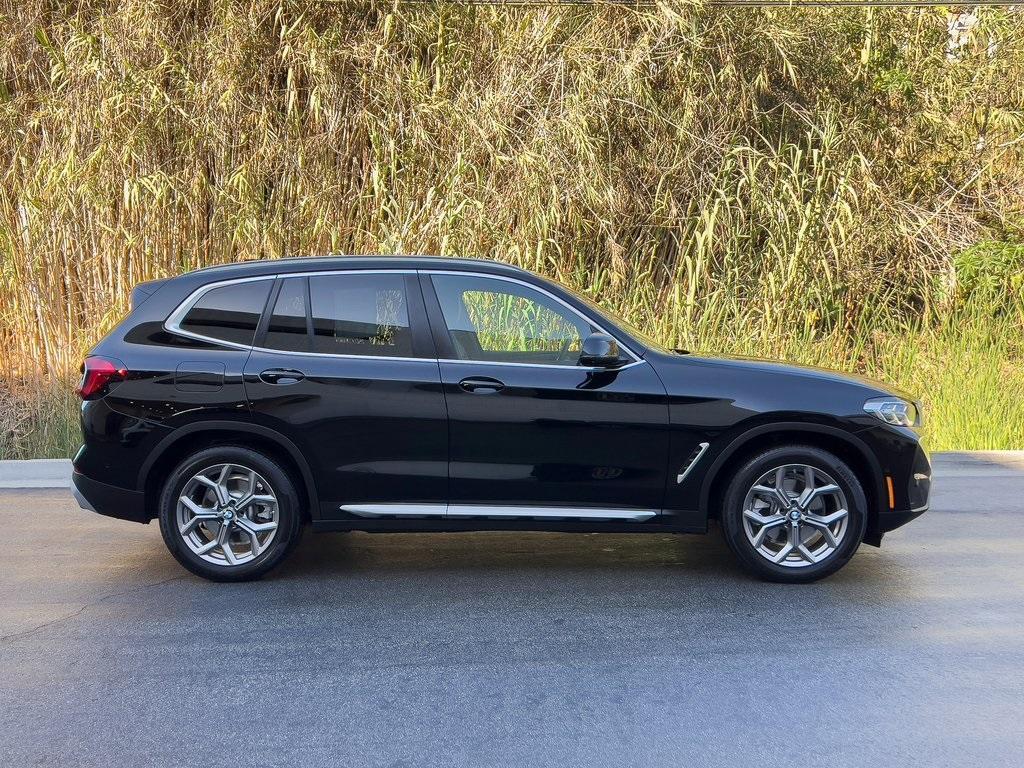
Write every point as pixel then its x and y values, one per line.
pixel 35 473
pixel 56 473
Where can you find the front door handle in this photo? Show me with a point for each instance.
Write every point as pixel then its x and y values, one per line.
pixel 481 385
pixel 282 376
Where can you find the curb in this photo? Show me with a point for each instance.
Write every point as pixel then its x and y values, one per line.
pixel 56 473
pixel 35 473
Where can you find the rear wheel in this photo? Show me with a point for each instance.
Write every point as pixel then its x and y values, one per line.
pixel 794 514
pixel 229 513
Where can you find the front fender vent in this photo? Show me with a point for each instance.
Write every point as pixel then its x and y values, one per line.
pixel 691 462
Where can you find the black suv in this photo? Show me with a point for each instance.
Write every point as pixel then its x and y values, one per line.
pixel 238 403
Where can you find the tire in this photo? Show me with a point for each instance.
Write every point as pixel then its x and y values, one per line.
pixel 193 511
pixel 751 505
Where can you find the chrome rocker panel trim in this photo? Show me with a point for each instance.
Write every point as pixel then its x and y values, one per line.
pixel 497 512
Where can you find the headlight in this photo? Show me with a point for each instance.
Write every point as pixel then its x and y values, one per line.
pixel 894 410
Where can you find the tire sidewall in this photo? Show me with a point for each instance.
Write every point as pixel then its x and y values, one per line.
pixel 289 514
pixel 751 470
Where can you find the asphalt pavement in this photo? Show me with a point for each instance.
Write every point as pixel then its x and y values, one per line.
pixel 513 649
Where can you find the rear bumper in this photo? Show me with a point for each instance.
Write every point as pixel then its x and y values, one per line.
pixel 109 500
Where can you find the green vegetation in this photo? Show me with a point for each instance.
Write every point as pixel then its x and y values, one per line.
pixel 821 185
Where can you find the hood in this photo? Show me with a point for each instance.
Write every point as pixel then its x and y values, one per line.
pixel 739 362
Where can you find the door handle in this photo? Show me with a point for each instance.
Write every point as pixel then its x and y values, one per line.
pixel 282 376
pixel 481 385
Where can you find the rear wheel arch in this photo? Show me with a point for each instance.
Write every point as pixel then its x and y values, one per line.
pixel 195 437
pixel 844 445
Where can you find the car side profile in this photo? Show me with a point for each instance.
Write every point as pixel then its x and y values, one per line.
pixel 238 404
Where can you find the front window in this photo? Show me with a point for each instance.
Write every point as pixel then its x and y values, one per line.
pixel 500 321
pixel 625 325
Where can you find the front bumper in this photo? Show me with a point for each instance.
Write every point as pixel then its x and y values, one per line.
pixel 911 492
pixel 109 500
pixel 891 519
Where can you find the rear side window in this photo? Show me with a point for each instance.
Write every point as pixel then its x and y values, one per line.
pixel 229 313
pixel 287 328
pixel 360 314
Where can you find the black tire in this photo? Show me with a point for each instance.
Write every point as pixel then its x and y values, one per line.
pixel 288 504
pixel 747 475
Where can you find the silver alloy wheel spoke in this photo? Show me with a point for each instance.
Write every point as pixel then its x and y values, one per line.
pixel 779 522
pixel 766 523
pixel 809 496
pixel 249 526
pixel 806 553
pixel 824 530
pixel 234 524
pixel 206 547
pixel 773 495
pixel 835 517
pixel 782 553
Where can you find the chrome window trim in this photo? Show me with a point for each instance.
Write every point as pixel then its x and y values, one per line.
pixel 173 322
pixel 539 365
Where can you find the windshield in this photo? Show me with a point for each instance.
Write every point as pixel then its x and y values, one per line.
pixel 625 325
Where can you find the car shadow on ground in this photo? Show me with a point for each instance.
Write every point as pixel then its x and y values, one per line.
pixel 689 558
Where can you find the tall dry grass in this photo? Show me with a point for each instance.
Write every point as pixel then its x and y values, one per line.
pixel 819 184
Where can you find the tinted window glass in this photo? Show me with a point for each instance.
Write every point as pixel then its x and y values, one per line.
pixel 287 326
pixel 360 315
pixel 502 321
pixel 229 313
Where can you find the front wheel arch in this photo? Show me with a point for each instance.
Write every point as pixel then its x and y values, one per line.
pixel 848 447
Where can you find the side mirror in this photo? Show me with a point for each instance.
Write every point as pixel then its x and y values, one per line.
pixel 600 351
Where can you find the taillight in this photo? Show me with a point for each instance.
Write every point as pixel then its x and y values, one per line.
pixel 98 373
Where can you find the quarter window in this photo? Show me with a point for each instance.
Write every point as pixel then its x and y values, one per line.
pixel 500 321
pixel 360 314
pixel 229 313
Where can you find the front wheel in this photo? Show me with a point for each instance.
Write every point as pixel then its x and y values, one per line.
pixel 229 513
pixel 794 514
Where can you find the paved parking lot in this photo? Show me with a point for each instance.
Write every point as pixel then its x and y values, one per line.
pixel 515 649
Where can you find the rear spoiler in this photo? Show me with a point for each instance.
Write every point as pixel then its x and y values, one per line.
pixel 143 291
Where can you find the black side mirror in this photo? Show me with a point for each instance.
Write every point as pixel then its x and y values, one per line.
pixel 600 351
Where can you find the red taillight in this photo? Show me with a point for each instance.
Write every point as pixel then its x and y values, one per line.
pixel 98 373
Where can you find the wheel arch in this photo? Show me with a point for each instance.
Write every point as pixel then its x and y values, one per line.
pixel 845 445
pixel 194 437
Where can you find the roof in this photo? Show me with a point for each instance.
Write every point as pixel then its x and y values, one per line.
pixel 319 263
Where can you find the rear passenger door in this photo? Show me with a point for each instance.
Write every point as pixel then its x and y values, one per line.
pixel 345 367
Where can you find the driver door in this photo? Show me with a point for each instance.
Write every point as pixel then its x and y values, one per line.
pixel 531 432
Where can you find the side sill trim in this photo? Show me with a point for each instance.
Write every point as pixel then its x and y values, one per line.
pixel 497 512
pixel 395 510
pixel 549 513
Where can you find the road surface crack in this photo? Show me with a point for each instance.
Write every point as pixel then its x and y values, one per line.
pixel 76 613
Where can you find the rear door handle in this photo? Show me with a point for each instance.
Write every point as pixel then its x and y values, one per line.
pixel 282 376
pixel 481 385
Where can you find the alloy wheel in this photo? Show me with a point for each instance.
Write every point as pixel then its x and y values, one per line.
pixel 795 515
pixel 227 514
